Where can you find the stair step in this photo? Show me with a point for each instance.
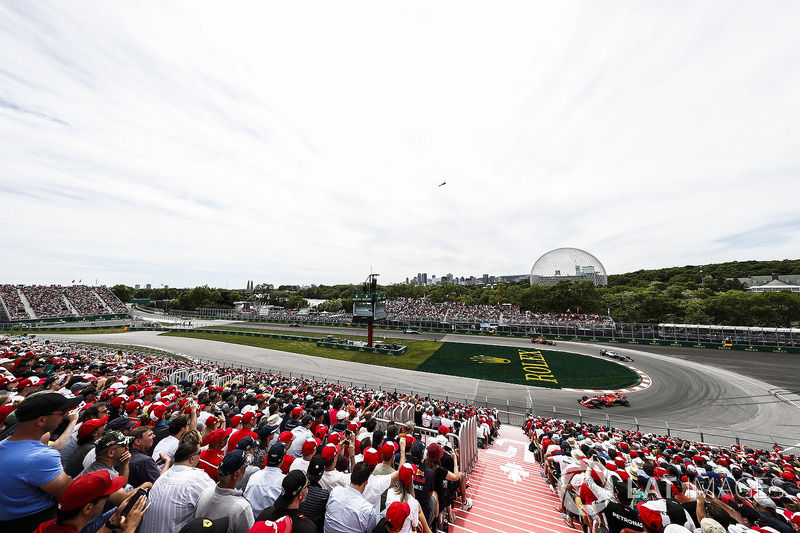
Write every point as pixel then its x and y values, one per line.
pixel 508 492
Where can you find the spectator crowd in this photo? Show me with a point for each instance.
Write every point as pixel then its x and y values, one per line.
pixel 55 301
pixel 416 309
pixel 93 440
pixel 611 480
pixel 413 310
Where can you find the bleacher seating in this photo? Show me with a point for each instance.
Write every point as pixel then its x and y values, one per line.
pixel 55 301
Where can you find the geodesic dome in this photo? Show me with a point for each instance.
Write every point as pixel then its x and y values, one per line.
pixel 567 264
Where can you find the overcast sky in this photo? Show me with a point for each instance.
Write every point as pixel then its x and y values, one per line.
pixel 190 143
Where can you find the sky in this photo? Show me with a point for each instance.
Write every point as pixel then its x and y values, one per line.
pixel 189 143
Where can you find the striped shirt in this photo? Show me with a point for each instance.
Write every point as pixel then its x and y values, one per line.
pixel 173 499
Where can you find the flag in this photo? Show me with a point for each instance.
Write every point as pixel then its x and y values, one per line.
pixel 73 281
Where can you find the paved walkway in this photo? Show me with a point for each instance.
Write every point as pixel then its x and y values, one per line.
pixel 508 493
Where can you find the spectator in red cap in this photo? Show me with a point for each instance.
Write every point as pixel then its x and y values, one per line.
pixel 309 449
pixel 332 477
pixel 379 484
pixel 248 421
pixel 84 500
pixel 93 412
pixel 211 458
pixel 33 478
pixel 300 434
pixel 403 492
pixel 397 515
pixel 88 433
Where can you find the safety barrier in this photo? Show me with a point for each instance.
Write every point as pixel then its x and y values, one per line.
pixel 466 441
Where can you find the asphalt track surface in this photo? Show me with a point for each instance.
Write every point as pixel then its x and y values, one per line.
pixel 749 392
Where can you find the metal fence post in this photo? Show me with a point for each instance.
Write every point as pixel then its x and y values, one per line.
pixel 580 416
pixel 700 431
pixel 735 436
pixel 668 430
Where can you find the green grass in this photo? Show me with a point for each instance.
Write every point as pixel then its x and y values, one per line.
pixel 417 353
pixel 529 366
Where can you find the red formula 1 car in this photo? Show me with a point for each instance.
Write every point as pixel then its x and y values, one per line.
pixel 539 340
pixel 604 400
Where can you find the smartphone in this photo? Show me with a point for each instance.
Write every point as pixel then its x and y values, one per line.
pixel 139 494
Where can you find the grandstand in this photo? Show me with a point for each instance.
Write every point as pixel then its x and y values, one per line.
pixel 21 304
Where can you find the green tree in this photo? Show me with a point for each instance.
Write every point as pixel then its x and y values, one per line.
pixel 123 292
pixel 784 306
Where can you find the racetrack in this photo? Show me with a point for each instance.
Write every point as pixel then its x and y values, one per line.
pixel 753 392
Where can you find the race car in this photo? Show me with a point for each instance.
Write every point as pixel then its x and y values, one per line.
pixel 295 325
pixel 617 356
pixel 539 340
pixel 604 400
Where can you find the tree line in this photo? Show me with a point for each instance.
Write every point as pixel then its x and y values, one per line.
pixel 671 295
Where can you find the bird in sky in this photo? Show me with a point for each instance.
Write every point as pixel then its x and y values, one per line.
pixel 443 183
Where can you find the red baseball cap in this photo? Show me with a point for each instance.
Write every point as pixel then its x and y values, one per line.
pixel 88 488
pixel 309 446
pixel 91 425
pixel 397 513
pixel 235 419
pixel 217 436
pixel 248 417
pixel 157 412
pixel 371 456
pixel 5 411
pixel 407 473
pixel 117 402
pixel 389 448
pixel 650 517
pixel 285 437
pixel 329 451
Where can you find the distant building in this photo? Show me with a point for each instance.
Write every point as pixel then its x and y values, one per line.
pixel 148 286
pixel 137 286
pixel 773 283
pixel 568 264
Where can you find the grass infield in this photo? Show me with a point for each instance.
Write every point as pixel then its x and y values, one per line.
pixel 529 366
pixel 508 364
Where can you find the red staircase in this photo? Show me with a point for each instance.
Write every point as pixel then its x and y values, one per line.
pixel 508 492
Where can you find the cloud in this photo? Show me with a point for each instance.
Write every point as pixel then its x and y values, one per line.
pixel 191 143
